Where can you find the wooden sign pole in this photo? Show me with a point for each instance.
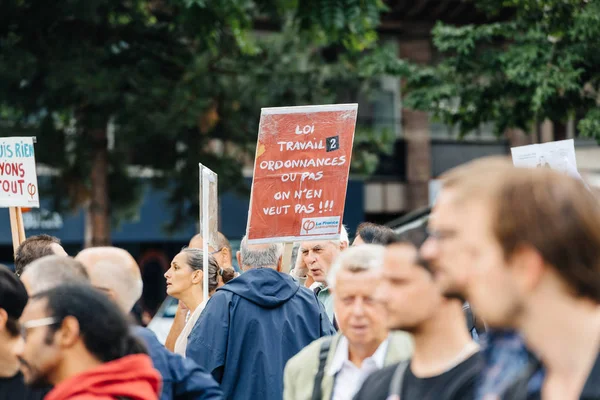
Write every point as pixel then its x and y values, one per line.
pixel 16 227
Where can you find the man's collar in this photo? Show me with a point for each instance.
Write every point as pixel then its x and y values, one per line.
pixel 342 352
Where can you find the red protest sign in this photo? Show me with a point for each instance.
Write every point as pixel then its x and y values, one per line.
pixel 301 173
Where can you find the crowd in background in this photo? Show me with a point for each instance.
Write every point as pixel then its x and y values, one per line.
pixel 494 297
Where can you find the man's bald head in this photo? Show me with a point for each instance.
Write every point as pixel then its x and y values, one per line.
pixel 51 271
pixel 197 242
pixel 115 271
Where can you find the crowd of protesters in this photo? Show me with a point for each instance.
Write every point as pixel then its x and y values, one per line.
pixel 496 296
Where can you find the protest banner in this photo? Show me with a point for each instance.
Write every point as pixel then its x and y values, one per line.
pixel 301 173
pixel 209 217
pixel 558 155
pixel 18 182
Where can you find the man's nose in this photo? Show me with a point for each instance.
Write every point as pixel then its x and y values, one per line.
pixel 19 346
pixel 429 250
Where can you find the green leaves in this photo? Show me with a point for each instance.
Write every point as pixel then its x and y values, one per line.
pixel 180 81
pixel 540 61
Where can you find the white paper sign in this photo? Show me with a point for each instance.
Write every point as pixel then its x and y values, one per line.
pixel 18 179
pixel 558 155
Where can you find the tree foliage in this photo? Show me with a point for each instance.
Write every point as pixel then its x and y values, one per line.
pixel 175 83
pixel 540 63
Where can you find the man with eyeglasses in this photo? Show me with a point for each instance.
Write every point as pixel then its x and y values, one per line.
pixel 13 298
pixel 76 339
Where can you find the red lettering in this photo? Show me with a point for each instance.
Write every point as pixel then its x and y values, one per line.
pixel 14 187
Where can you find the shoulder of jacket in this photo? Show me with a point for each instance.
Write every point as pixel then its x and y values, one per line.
pixel 400 347
pixel 310 354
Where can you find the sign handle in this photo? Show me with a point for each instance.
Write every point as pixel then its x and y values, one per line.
pixel 16 227
pixel 287 258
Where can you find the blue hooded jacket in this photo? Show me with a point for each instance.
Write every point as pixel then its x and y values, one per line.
pixel 251 327
pixel 182 379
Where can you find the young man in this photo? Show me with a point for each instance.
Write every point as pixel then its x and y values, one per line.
pixel 534 239
pixel 13 299
pixel 364 344
pixel 446 361
pixel 253 325
pixel 451 262
pixel 76 339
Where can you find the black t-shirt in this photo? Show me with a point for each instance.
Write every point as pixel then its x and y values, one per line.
pixel 15 389
pixel 459 383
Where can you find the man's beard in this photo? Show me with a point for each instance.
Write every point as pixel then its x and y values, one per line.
pixel 35 378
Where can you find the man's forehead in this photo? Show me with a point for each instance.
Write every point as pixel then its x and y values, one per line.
pixel 402 252
pixel 36 308
pixel 197 242
pixel 312 245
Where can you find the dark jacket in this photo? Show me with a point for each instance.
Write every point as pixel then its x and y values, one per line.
pixel 182 379
pixel 251 327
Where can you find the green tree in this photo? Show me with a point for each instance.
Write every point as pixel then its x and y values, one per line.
pixel 538 61
pixel 172 82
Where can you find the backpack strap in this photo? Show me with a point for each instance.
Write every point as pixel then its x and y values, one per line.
pixel 397 381
pixel 323 352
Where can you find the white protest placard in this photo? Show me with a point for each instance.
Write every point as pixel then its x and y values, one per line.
pixel 209 218
pixel 559 155
pixel 18 179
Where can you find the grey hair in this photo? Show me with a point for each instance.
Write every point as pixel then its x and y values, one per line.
pixel 51 271
pixel 264 258
pixel 195 259
pixel 368 257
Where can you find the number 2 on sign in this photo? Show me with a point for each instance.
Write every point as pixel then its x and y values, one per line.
pixel 307 130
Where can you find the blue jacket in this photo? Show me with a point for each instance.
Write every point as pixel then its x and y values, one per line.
pixel 182 379
pixel 251 327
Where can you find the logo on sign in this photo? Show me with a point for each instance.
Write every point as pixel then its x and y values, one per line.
pixel 320 226
pixel 32 190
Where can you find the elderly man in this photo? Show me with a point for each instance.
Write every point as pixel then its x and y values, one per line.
pixel 115 272
pixel 314 262
pixel 335 367
pixel 50 271
pixel 253 325
pixel 35 247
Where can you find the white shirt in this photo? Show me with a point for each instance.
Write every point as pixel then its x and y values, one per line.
pixel 182 339
pixel 348 377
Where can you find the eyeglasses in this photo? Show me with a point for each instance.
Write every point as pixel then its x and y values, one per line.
pixel 37 323
pixel 216 251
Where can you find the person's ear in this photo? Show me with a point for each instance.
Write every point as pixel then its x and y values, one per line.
pixel 197 277
pixel 69 332
pixel 3 318
pixel 280 264
pixel 226 256
pixel 238 256
pixel 528 267
pixel 343 246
